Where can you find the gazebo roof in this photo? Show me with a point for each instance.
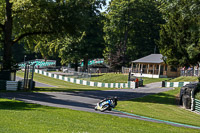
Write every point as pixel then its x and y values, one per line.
pixel 152 58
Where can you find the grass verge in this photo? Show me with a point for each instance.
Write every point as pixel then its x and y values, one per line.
pixel 67 86
pixel 184 79
pixel 160 106
pixel 59 84
pixel 20 117
pixel 122 78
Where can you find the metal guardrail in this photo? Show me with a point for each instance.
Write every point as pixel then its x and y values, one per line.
pixel 190 72
pixel 12 85
pixel 40 63
pixel 197 105
pixel 126 69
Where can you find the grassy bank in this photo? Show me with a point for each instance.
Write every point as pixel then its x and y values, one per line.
pixel 20 117
pixel 59 84
pixel 160 106
pixel 122 78
pixel 184 79
pixel 67 86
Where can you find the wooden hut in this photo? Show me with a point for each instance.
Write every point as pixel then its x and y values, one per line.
pixel 153 66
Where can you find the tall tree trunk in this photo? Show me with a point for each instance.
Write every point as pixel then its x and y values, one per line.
pixel 85 67
pixel 7 56
pixel 76 65
pixel 126 36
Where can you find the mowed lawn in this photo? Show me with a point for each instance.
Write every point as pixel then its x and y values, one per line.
pixel 122 78
pixel 162 106
pixel 67 86
pixel 184 78
pixel 20 117
pixel 59 84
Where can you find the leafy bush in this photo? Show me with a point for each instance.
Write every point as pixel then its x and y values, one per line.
pixel 197 96
pixel 197 92
pixel 199 78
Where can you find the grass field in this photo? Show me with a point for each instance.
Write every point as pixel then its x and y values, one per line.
pixel 60 85
pixel 67 86
pixel 160 106
pixel 122 78
pixel 184 78
pixel 20 117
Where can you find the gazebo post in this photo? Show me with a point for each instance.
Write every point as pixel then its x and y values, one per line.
pixel 138 68
pixel 132 67
pixel 153 68
pixel 148 69
pixel 159 69
pixel 141 69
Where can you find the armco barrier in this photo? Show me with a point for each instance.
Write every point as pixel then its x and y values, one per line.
pixel 197 105
pixel 10 85
pixel 84 82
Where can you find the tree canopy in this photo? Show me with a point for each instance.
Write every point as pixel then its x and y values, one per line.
pixel 73 49
pixel 33 20
pixel 77 30
pixel 180 35
pixel 131 28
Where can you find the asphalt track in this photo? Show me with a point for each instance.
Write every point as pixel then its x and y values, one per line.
pixel 86 100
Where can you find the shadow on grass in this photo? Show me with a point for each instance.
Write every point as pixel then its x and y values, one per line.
pixel 161 98
pixel 97 75
pixel 16 105
pixel 47 99
pixel 52 89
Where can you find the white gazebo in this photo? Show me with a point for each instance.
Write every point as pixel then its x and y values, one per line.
pixel 153 66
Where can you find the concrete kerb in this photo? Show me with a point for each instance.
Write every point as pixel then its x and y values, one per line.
pixel 88 83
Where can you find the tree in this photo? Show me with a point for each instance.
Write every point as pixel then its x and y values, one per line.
pixel 32 20
pixel 131 27
pixel 180 35
pixel 72 49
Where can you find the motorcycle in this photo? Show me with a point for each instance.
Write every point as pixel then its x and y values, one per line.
pixel 106 104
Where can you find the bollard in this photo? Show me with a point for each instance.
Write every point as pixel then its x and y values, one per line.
pixel 163 83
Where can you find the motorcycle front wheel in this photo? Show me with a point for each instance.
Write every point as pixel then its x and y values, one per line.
pixel 105 107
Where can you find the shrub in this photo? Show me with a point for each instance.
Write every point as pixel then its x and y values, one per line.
pixel 198 88
pixel 197 96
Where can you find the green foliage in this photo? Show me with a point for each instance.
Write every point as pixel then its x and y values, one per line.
pixel 38 21
pixel 179 37
pixel 89 44
pixel 197 91
pixel 130 28
pixel 197 96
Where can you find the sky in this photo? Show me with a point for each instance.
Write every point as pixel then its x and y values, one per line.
pixel 104 8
